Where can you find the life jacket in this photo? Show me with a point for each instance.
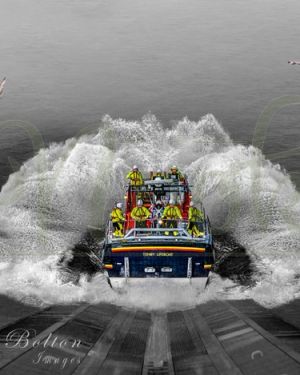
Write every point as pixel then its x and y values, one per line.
pixel 172 213
pixel 195 214
pixel 135 177
pixel 116 215
pixel 140 213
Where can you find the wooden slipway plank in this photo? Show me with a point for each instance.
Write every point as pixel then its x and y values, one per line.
pixel 118 327
pixel 71 340
pixel 126 356
pixel 212 339
pixel 158 359
pixel 220 359
pixel 11 349
pixel 252 349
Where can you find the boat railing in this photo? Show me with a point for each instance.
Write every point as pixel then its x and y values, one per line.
pixel 166 186
pixel 158 228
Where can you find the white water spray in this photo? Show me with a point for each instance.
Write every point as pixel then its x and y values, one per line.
pixel 47 205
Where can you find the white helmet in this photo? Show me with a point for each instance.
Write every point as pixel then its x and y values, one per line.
pixel 139 202
pixel 172 202
pixel 119 205
pixel 174 167
pixel 158 202
pixel 135 167
pixel 191 203
pixel 158 171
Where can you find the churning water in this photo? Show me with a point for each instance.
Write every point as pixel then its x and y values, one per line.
pixel 48 204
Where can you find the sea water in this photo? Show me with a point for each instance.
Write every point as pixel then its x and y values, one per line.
pixel 49 203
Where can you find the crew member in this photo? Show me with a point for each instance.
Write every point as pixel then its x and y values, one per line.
pixel 157 211
pixel 135 177
pixel 175 174
pixel 117 218
pixel 171 214
pixel 140 214
pixel 159 175
pixel 196 219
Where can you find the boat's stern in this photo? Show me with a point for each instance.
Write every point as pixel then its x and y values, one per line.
pixel 159 257
pixel 120 283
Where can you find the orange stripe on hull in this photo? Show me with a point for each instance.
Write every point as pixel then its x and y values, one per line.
pixel 158 248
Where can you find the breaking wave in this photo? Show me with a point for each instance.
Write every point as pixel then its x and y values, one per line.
pixel 48 204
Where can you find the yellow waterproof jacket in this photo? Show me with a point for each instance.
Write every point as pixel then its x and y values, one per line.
pixel 172 213
pixel 195 214
pixel 140 213
pixel 135 177
pixel 117 215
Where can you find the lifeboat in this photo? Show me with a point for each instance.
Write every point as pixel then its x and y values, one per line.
pixel 158 251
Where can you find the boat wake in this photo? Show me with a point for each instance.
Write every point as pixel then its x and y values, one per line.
pixel 57 195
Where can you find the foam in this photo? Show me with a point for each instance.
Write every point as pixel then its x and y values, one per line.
pixel 47 205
